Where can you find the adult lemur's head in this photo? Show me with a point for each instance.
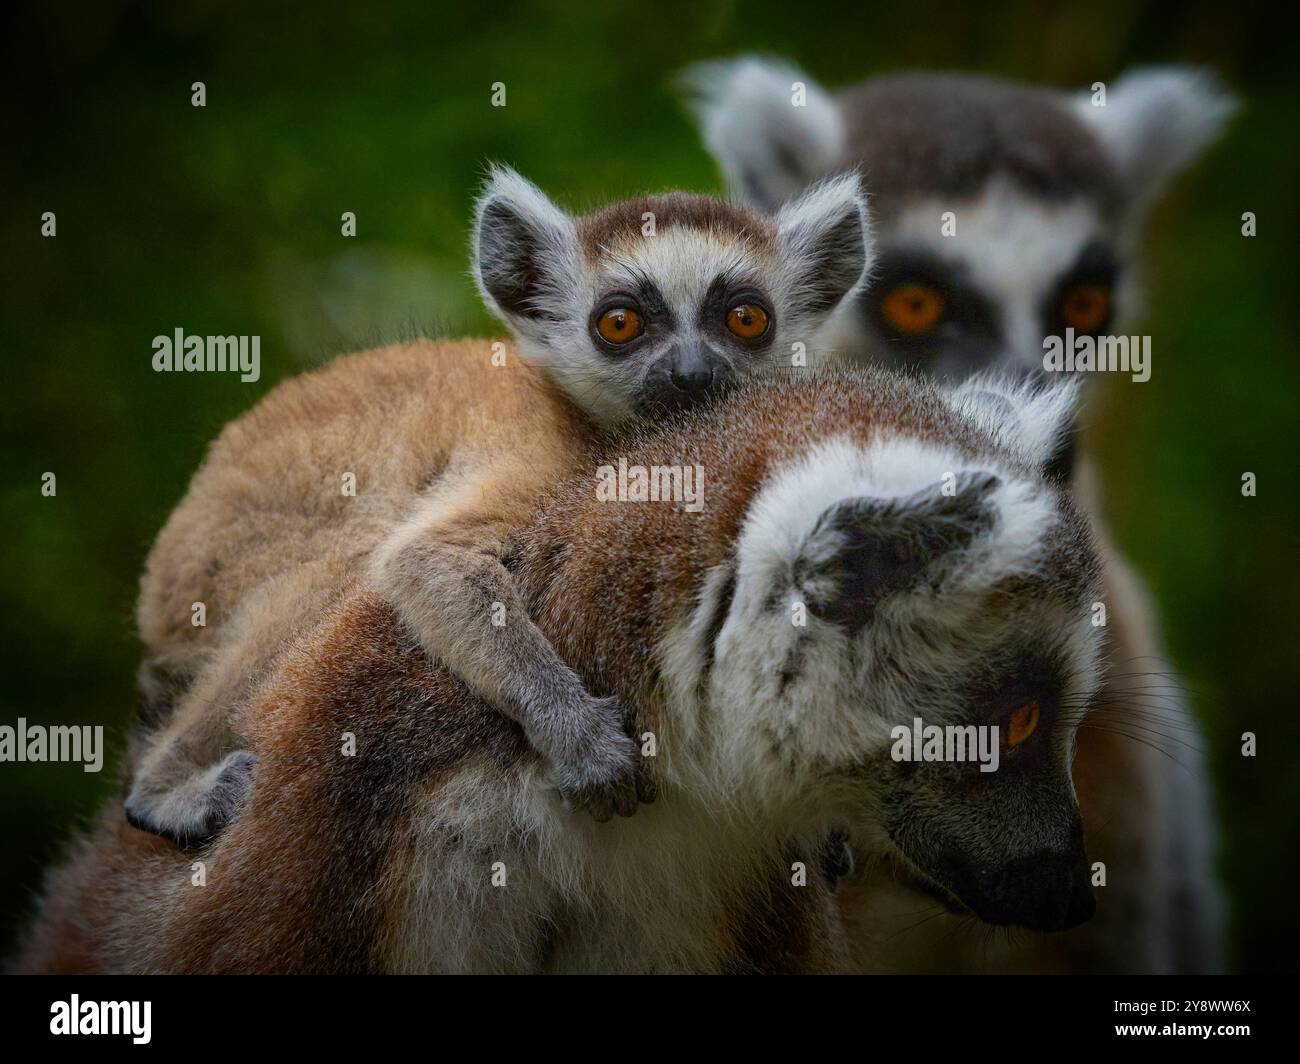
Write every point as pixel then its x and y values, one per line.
pixel 1047 191
pixel 872 552
pixel 653 303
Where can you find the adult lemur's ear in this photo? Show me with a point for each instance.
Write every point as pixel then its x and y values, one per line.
pixel 1034 418
pixel 526 257
pixel 1154 124
pixel 772 129
pixel 825 241
pixel 863 549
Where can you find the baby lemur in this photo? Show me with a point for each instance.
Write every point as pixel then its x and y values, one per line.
pixel 645 306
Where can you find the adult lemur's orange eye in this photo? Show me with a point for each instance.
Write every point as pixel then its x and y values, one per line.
pixel 1022 723
pixel 912 308
pixel 1085 307
pixel 748 321
pixel 620 326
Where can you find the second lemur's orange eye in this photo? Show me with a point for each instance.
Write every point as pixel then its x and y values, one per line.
pixel 621 325
pixel 748 321
pixel 912 308
pixel 1021 724
pixel 1085 308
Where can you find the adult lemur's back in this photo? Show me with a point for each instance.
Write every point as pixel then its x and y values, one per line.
pixel 1004 214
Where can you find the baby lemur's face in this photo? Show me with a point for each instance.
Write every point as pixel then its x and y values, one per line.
pixel 652 304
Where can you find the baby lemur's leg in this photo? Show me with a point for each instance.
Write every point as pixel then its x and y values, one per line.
pixel 191 777
pixel 442 571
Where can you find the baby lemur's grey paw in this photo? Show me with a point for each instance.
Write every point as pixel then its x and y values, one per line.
pixel 197 809
pixel 596 764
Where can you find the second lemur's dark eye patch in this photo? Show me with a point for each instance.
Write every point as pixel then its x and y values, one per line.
pixel 921 300
pixel 1083 299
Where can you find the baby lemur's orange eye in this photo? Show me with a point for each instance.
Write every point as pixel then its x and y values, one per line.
pixel 748 321
pixel 912 308
pixel 1022 723
pixel 621 325
pixel 1085 308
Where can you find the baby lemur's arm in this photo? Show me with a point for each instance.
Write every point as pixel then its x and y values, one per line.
pixel 443 572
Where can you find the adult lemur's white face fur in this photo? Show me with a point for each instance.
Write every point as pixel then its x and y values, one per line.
pixel 651 304
pixel 1048 190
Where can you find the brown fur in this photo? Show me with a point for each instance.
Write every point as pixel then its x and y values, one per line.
pixel 265 538
pixel 621 222
pixel 277 471
pixel 300 881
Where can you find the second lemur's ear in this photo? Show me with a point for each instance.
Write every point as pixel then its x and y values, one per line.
pixel 526 257
pixel 771 128
pixel 1035 419
pixel 825 243
pixel 1155 123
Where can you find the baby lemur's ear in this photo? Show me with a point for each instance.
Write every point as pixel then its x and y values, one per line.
pixel 526 256
pixel 863 549
pixel 825 242
pixel 1032 417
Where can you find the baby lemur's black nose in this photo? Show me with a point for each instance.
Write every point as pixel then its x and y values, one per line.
pixel 693 382
pixel 692 371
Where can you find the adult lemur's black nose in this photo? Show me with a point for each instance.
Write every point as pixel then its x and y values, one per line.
pixel 1044 892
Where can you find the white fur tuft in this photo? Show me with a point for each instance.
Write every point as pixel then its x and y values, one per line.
pixel 1155 123
pixel 768 147
pixel 1022 414
pixel 825 240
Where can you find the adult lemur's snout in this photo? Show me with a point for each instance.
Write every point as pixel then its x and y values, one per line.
pixel 1011 851
pixel 1045 891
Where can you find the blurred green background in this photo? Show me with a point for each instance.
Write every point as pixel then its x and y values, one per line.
pixel 226 220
